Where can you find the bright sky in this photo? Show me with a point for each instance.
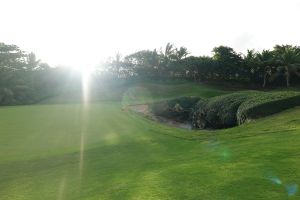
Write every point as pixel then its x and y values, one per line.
pixel 83 32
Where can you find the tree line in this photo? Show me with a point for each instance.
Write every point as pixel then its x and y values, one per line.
pixel 278 66
pixel 24 79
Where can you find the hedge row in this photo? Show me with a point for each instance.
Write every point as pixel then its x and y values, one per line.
pixel 263 104
pixel 226 110
pixel 237 108
pixel 218 112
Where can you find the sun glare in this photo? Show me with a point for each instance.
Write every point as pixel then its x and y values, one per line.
pixel 85 73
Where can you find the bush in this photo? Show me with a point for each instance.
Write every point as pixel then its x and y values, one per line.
pixel 218 112
pixel 226 110
pixel 263 104
pixel 6 97
pixel 238 108
pixel 178 109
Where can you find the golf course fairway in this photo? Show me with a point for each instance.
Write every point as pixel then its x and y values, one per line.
pixel 69 151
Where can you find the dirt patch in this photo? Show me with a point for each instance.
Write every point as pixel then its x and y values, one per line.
pixel 141 108
pixel 145 110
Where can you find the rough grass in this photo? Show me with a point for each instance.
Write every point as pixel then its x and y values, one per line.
pixel 128 157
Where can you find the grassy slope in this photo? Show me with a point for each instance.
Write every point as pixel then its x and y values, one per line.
pixel 129 157
pixel 140 92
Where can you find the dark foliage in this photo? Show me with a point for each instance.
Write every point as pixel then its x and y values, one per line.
pixel 280 66
pixel 226 110
pixel 178 109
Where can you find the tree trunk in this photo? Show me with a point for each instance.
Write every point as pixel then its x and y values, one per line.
pixel 265 79
pixel 268 71
pixel 287 76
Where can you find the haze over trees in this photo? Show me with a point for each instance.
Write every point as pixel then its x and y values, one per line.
pixel 24 79
pixel 279 66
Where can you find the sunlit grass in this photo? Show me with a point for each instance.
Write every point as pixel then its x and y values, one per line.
pixel 129 157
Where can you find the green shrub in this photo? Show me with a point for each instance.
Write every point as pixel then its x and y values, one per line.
pixel 237 108
pixel 263 104
pixel 218 112
pixel 178 109
pixel 226 110
pixel 7 96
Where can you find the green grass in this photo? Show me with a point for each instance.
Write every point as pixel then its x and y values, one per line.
pixel 140 92
pixel 129 157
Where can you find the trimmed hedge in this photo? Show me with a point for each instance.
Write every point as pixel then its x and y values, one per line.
pixel 262 104
pixel 226 110
pixel 218 112
pixel 237 108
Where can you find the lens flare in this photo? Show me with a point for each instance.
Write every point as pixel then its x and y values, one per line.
pixel 61 188
pixel 81 152
pixel 275 180
pixel 291 189
pixel 225 154
pixel 136 95
pixel 85 79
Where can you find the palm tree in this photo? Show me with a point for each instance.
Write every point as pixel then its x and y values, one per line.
pixel 32 62
pixel 169 50
pixel 181 53
pixel 166 56
pixel 252 63
pixel 265 65
pixel 116 64
pixel 288 58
